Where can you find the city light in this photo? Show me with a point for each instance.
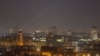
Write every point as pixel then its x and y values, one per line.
pixel 79 43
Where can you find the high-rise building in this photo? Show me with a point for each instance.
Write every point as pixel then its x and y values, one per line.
pixel 13 30
pixel 49 39
pixel 53 30
pixel 94 33
pixel 20 38
pixel 10 30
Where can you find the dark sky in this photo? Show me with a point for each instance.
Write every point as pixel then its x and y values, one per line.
pixel 41 14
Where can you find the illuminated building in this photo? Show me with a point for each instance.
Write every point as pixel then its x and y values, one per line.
pixel 94 33
pixel 20 38
pixel 55 40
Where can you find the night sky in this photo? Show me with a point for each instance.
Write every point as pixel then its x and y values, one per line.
pixel 42 14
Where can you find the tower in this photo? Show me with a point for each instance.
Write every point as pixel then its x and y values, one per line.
pixel 20 38
pixel 94 33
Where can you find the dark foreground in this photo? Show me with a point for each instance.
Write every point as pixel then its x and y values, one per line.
pixel 31 51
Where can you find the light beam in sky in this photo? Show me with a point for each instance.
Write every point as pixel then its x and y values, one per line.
pixel 42 12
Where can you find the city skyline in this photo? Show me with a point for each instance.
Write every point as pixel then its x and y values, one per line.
pixel 37 14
